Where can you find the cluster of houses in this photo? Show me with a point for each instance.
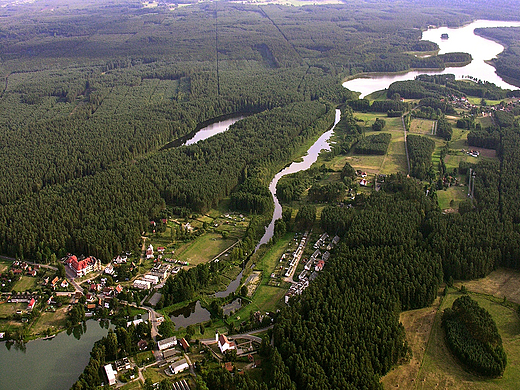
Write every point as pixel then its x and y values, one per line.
pixel 83 265
pixel 156 275
pixel 100 295
pixel 472 153
pixel 314 265
pixel 56 282
pixel 30 299
pixel 296 256
pixel 21 267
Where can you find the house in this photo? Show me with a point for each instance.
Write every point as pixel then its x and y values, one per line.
pixel 179 366
pixel 83 267
pixel 141 284
pixel 111 375
pixel 151 278
pixel 32 302
pixel 229 366
pixel 319 266
pixel 123 364
pixel 184 344
pixel 32 273
pixel 64 283
pixel 118 288
pixel 363 182
pixel 161 249
pixel 109 269
pixel 168 353
pixel 167 343
pixel 149 252
pixel 223 343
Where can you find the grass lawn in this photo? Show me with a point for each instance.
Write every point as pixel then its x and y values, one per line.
pixel 143 358
pixel 26 283
pixel 203 248
pixel 457 194
pixel 134 385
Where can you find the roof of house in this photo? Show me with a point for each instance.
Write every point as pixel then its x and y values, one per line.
pixel 228 366
pixel 184 343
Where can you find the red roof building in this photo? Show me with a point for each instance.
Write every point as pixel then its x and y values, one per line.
pixel 83 267
pixel 31 304
pixel 184 344
pixel 320 265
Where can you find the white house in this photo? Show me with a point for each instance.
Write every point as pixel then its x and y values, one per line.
pixel 167 343
pixel 111 375
pixel 223 343
pixel 142 284
pixel 179 366
pixel 149 252
pixel 151 278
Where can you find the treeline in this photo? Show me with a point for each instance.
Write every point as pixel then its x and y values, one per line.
pixel 420 150
pixel 429 87
pixel 444 128
pixel 472 336
pixel 384 106
pixel 374 144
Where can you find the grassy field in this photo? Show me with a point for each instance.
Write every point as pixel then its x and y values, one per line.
pixel 4 265
pixel 51 320
pixel 267 298
pixel 203 249
pixel 441 370
pixel 8 309
pixel 421 126
pixel 26 283
pixel 432 366
pixel 455 193
pixel 395 159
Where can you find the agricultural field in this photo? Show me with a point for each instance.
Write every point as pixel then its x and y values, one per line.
pixel 422 126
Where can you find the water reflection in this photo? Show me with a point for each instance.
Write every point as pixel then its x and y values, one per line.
pixel 194 313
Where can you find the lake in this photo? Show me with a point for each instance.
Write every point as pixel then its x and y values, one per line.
pixel 49 364
pixel 461 39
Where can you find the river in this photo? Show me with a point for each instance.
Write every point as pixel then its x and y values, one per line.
pixel 48 364
pixel 462 39
pixel 310 158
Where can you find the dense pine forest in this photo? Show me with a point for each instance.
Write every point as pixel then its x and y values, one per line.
pixel 95 95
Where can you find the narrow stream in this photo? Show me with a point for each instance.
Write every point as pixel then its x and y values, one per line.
pixel 310 158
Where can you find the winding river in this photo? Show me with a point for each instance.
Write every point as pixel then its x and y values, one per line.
pixel 461 39
pixel 310 158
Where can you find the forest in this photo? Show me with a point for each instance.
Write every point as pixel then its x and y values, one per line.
pixel 95 95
